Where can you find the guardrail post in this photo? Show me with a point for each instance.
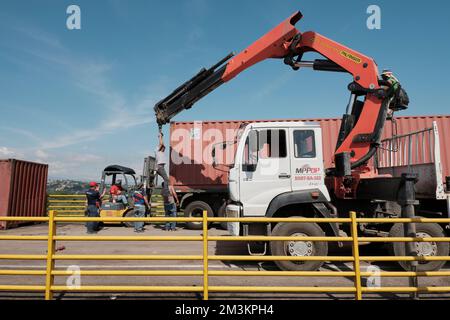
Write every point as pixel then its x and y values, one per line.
pixel 205 255
pixel 50 252
pixel 355 252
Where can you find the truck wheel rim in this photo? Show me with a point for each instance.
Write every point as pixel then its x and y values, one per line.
pixel 299 248
pixel 425 249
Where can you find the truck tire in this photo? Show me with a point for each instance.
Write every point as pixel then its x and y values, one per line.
pixel 195 210
pixel 221 214
pixel 298 248
pixel 423 248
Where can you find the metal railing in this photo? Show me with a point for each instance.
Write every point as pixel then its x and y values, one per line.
pixel 67 204
pixel 415 152
pixel 50 272
pixel 409 149
pixel 74 204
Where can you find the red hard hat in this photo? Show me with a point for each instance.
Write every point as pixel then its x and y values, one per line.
pixel 93 184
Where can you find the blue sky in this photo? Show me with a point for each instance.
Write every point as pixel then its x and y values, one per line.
pixel 82 99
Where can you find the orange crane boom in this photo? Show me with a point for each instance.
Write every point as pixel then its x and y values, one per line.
pixel 364 120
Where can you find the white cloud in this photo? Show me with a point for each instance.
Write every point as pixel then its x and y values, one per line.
pixel 76 166
pixel 25 133
pixel 39 36
pixel 92 76
pixel 6 152
pixel 84 158
pixel 89 166
pixel 41 154
pixel 116 110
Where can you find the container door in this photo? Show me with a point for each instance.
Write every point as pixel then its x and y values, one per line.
pixel 265 171
pixel 5 189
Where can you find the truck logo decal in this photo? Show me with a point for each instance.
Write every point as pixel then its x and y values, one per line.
pixel 307 173
pixel 306 169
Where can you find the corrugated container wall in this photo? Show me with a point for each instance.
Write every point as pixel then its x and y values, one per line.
pixel 188 169
pixel 23 189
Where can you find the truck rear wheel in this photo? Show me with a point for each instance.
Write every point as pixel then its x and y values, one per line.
pixel 423 230
pixel 195 210
pixel 298 248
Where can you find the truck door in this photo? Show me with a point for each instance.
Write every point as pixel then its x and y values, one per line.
pixel 265 171
pixel 306 158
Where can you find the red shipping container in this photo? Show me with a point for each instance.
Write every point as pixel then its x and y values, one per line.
pixel 23 190
pixel 191 167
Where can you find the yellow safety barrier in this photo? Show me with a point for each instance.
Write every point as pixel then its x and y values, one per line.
pixel 357 289
pixel 67 204
pixel 74 204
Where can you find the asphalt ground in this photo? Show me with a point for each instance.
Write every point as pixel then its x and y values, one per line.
pixel 181 248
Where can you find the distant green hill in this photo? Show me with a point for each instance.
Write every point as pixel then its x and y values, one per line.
pixel 66 187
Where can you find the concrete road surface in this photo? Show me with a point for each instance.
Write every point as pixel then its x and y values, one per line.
pixel 178 248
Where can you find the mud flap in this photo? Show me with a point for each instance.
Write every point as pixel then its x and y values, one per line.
pixel 245 230
pixel 325 212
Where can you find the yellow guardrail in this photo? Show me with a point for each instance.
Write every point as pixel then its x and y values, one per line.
pixel 67 204
pixel 74 204
pixel 357 289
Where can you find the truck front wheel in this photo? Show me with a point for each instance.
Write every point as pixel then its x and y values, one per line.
pixel 298 248
pixel 221 214
pixel 427 249
pixel 195 210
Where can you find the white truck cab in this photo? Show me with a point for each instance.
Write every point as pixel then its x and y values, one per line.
pixel 278 172
pixel 273 161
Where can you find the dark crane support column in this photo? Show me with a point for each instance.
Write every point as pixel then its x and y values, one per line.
pixel 407 199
